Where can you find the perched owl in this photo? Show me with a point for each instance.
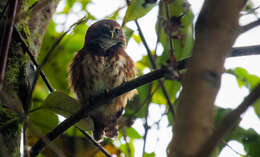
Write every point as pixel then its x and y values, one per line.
pixel 100 65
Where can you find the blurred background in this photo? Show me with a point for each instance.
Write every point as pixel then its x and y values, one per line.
pixel 149 113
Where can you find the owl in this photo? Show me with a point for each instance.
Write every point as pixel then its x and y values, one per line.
pixel 100 65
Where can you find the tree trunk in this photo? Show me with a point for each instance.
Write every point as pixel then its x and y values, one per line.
pixel 30 24
pixel 216 31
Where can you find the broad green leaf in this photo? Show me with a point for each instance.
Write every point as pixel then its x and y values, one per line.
pixel 65 105
pixel 132 133
pixel 257 107
pixel 244 78
pixel 43 121
pixel 172 87
pixel 72 131
pixel 136 10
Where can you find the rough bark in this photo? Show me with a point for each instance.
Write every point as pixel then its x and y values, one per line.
pixel 31 22
pixel 216 29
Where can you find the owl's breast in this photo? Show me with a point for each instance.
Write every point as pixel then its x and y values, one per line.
pixel 102 72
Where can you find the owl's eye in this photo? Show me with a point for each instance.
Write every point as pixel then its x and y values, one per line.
pixel 117 31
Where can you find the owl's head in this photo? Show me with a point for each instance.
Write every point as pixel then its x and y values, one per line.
pixel 105 34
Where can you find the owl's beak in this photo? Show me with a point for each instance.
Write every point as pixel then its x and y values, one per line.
pixel 112 34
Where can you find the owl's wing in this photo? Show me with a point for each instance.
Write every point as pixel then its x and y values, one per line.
pixel 76 74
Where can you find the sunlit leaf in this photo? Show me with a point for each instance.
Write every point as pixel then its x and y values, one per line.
pixel 244 78
pixel 137 38
pixel 136 10
pixel 132 133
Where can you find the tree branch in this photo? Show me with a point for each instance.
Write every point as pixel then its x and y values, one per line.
pixel 249 26
pixel 228 123
pixel 236 52
pixel 97 101
pixel 245 51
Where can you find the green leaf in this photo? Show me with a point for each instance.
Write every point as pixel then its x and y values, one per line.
pixel 182 47
pixel 249 138
pixel 257 107
pixel 244 78
pixel 128 33
pixel 124 148
pixel 43 121
pixel 149 154
pixel 137 38
pixel 172 87
pixel 136 10
pixel 132 133
pixel 220 114
pixel 72 131
pixel 65 105
pixel 252 144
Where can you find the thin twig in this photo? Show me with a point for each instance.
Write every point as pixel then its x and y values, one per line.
pixel 226 144
pixel 28 51
pixel 173 59
pixel 97 101
pixel 126 143
pixel 155 67
pixel 158 33
pixel 249 26
pixel 251 11
pixel 146 127
pixel 7 39
pixel 94 142
pixel 228 122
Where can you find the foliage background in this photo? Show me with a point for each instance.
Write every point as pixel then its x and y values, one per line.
pixel 149 111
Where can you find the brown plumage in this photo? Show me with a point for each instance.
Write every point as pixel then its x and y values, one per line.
pixel 100 65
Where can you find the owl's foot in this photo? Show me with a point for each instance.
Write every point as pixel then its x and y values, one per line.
pixel 98 132
pixel 111 131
